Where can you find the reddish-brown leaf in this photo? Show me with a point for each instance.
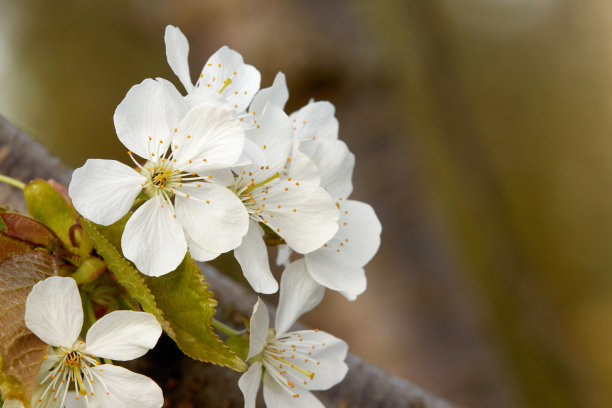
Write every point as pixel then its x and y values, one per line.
pixel 28 229
pixel 22 352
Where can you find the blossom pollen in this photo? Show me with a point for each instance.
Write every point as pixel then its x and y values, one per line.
pixel 73 366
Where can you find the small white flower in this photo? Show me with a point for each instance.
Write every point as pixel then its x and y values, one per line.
pixel 291 363
pixel 338 264
pixel 298 210
pixel 225 73
pixel 55 314
pixel 183 148
pixel 225 80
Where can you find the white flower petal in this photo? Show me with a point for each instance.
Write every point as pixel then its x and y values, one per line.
pixel 226 65
pixel 331 348
pixel 273 134
pixel 123 335
pixel 208 138
pixel 104 190
pixel 277 94
pixel 72 402
pixel 249 384
pixel 176 105
pixel 276 396
pixel 206 96
pixel 198 252
pixel 222 177
pixel 316 122
pixel 336 271
pixel 125 389
pixel 335 164
pixel 258 330
pixel 330 353
pixel 252 255
pixel 252 154
pixel 314 220
pixel 177 50
pixel 212 216
pixel 153 239
pixel 339 264
pixel 283 255
pixel 304 169
pixel 299 294
pixel 141 119
pixel 54 312
pixel 359 232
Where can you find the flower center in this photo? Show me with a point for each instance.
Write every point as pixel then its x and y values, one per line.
pixel 288 359
pixel 161 177
pixel 252 194
pixel 70 366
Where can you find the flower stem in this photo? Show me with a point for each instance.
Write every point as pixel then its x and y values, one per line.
pixel 225 329
pixel 90 315
pixel 11 181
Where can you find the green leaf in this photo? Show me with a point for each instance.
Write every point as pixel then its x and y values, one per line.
pixel 20 350
pixel 48 206
pixel 184 297
pixel 180 300
pixel 239 345
pixel 124 271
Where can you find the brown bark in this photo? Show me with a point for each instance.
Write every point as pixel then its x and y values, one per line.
pixel 188 383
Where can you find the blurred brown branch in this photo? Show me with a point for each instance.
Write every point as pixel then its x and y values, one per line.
pixel 188 383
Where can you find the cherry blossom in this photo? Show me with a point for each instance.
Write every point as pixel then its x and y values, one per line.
pixel 183 149
pixel 291 363
pixel 54 313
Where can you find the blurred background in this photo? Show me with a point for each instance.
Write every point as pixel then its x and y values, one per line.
pixel 483 136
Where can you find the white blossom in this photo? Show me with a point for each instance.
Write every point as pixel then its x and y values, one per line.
pixel 339 263
pixel 225 80
pixel 224 74
pixel 184 148
pixel 54 313
pixel 291 364
pixel 276 196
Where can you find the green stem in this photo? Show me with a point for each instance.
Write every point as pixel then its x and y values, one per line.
pixel 90 315
pixel 11 181
pixel 225 329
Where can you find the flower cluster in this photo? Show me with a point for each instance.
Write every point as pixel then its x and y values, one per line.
pixel 225 169
pixel 54 313
pixel 218 168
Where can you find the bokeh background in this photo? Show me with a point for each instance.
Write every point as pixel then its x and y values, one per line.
pixel 483 136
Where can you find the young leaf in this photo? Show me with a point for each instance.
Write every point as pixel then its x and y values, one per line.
pixel 184 297
pixel 124 271
pixel 27 229
pixel 10 246
pixel 48 206
pixel 180 300
pixel 21 351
